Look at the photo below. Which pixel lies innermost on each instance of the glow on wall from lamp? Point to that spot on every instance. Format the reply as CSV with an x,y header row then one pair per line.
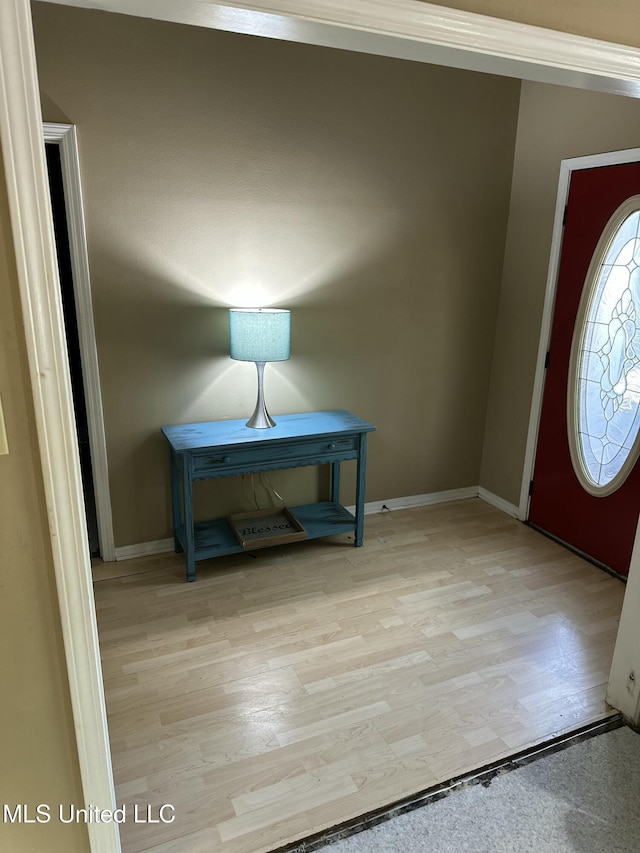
x,y
266,266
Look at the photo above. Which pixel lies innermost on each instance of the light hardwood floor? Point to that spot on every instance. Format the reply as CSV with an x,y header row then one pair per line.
x,y
286,692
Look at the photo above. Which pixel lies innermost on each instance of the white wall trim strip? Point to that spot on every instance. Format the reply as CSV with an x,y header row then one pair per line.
x,y
163,546
498,502
31,221
407,29
623,691
144,549
414,501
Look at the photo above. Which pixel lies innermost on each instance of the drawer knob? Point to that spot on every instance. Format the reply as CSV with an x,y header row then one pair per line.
x,y
218,460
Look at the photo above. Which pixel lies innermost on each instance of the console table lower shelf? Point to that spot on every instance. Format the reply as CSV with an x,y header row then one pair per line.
x,y
216,538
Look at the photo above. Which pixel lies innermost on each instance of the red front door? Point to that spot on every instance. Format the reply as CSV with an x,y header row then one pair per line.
x,y
601,527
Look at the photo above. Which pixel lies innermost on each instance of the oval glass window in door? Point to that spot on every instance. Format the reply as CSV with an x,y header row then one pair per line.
x,y
604,372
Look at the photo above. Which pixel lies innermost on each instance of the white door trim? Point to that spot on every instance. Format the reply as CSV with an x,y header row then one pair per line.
x,y
567,167
41,302
623,691
65,136
597,65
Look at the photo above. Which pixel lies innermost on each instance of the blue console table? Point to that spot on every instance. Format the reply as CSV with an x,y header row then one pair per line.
x,y
228,448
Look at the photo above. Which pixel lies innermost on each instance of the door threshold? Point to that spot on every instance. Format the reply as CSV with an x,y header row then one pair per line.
x,y
482,776
577,551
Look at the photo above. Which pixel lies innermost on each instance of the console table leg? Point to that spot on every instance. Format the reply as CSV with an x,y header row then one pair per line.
x,y
191,569
175,502
190,550
335,482
362,459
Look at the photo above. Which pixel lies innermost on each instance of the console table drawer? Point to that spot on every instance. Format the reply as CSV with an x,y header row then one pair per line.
x,y
224,461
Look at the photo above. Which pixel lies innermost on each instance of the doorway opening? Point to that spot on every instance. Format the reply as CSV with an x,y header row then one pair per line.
x,y
63,165
61,231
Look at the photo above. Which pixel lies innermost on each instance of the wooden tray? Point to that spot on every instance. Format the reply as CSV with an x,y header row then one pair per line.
x,y
264,527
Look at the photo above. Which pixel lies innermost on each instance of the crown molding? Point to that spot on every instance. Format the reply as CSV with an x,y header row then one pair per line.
x,y
413,30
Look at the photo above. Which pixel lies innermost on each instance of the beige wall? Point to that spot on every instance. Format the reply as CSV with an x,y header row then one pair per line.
x,y
555,123
368,195
615,20
37,742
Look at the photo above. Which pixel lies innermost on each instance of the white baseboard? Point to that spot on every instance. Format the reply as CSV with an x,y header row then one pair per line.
x,y
163,546
498,502
413,501
144,549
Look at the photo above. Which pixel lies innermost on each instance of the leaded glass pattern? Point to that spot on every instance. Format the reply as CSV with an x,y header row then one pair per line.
x,y
608,369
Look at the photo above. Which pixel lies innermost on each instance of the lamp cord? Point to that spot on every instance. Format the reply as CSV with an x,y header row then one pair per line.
x,y
268,487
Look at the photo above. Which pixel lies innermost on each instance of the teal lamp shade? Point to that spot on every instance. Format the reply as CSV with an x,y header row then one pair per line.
x,y
260,335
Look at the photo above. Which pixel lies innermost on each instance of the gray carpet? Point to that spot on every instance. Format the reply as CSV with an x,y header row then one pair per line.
x,y
583,799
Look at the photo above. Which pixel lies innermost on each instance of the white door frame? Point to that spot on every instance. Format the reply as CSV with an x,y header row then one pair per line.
x,y
567,167
623,691
65,136
34,246
404,28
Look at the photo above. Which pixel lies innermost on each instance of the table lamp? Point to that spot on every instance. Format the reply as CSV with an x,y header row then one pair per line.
x,y
260,335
